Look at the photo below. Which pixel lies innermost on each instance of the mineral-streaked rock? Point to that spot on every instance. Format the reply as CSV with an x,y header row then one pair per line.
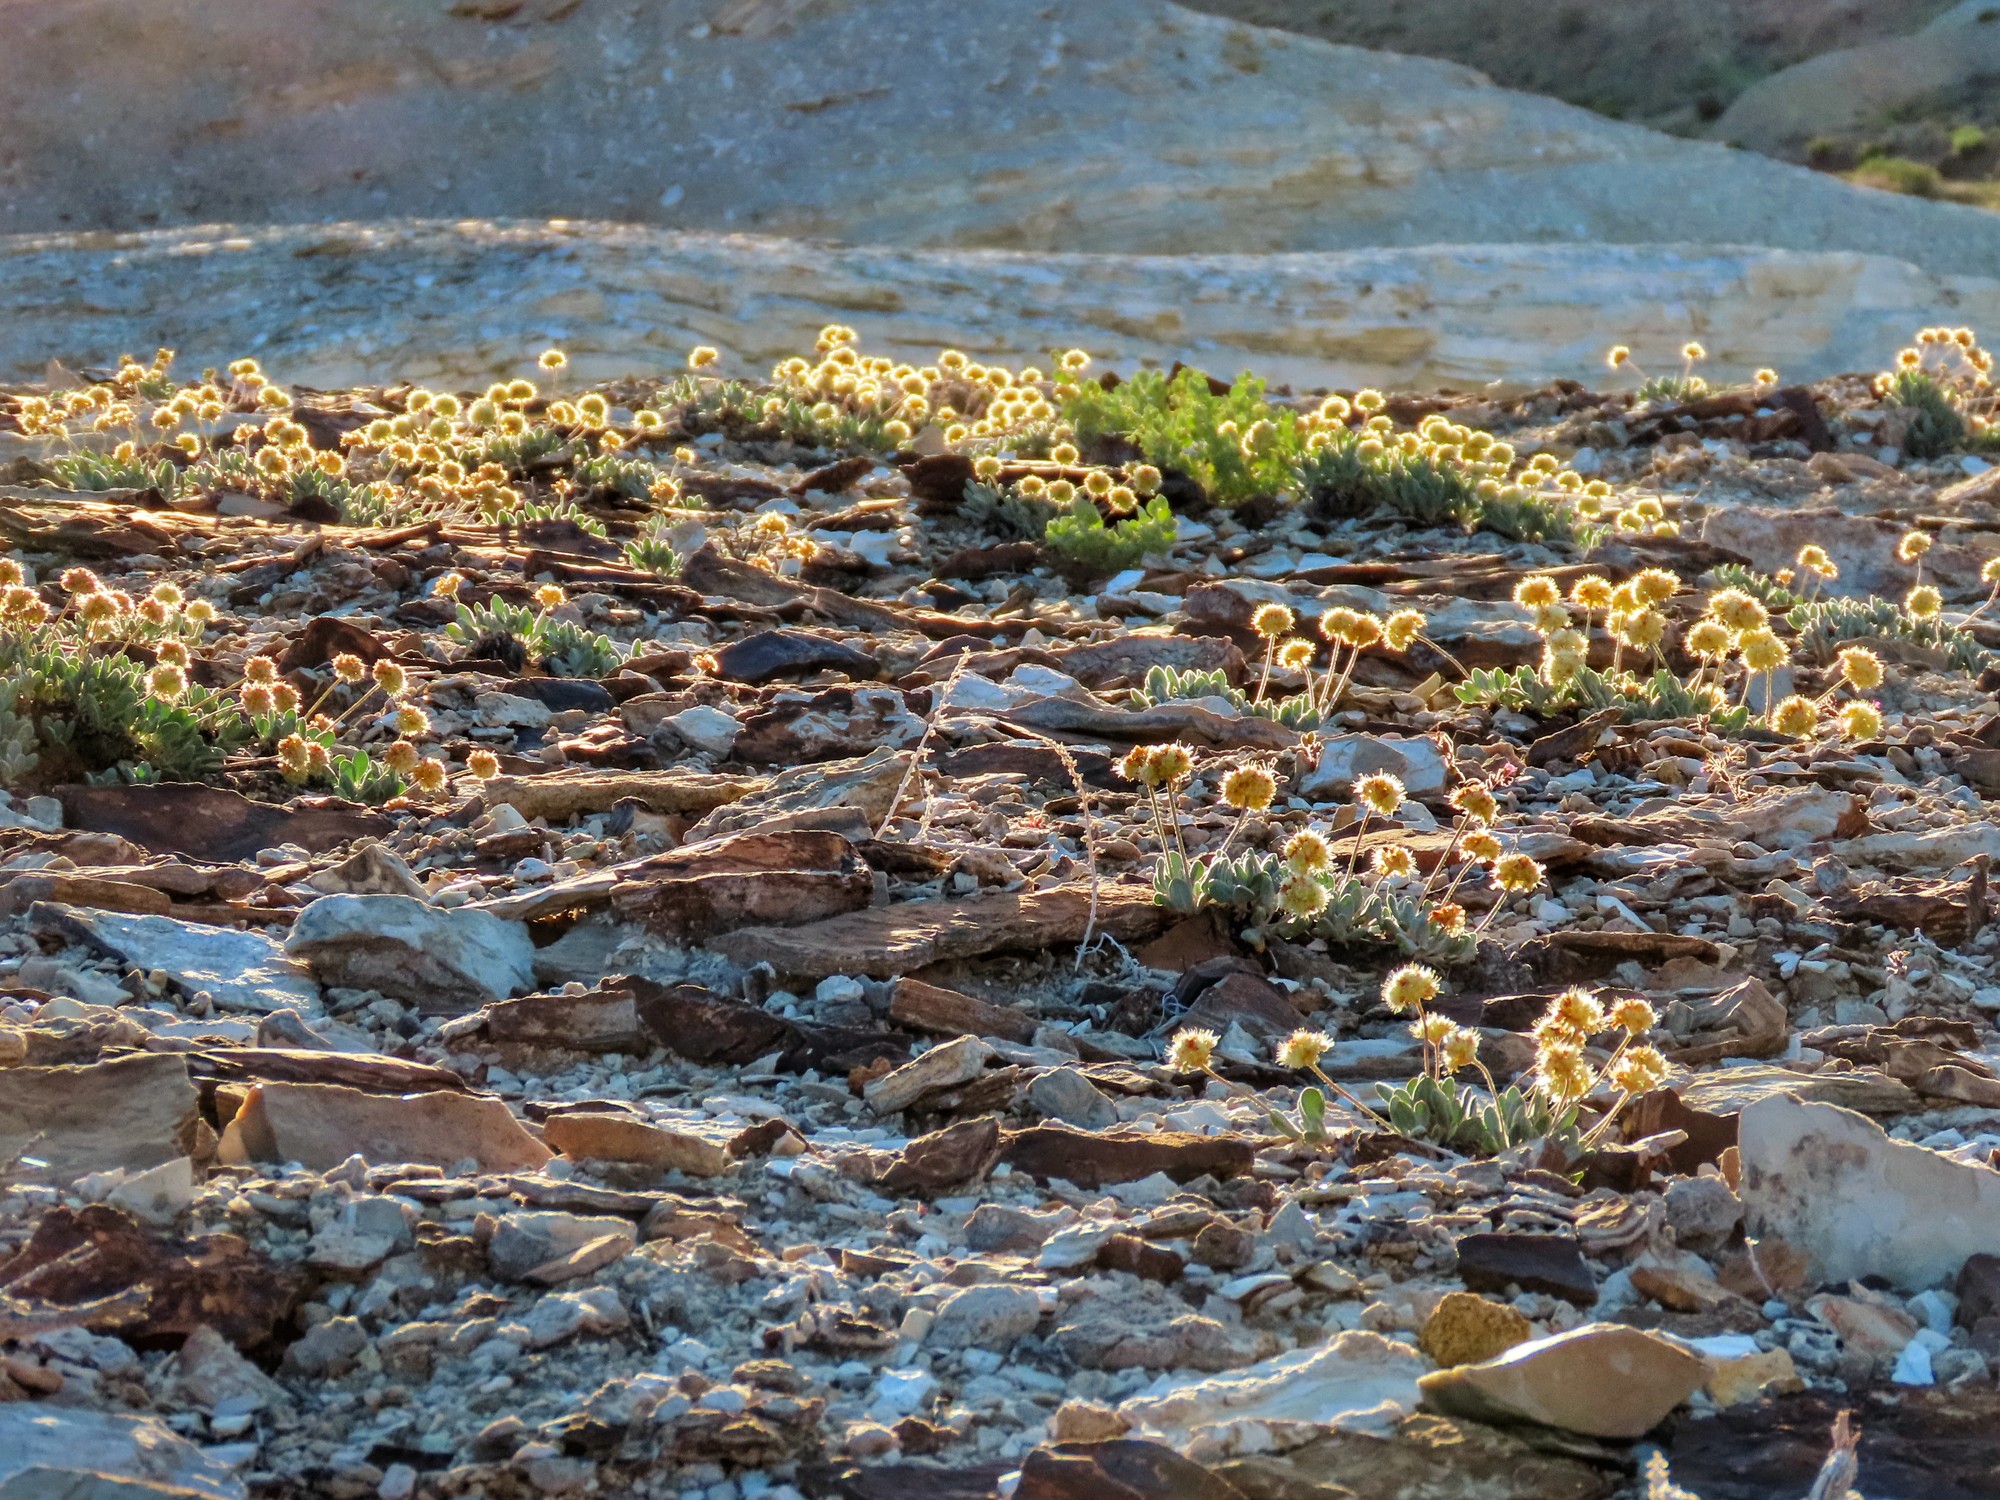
x,y
1835,1185
326,305
1423,1457
1466,1328
1602,1380
443,961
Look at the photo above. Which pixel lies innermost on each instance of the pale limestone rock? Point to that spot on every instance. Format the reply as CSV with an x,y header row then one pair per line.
x,y
330,306
1835,1185
1280,1402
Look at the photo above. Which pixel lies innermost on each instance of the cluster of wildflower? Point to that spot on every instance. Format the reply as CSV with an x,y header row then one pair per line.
x,y
1434,1106
1350,631
306,741
1304,889
1685,385
1943,380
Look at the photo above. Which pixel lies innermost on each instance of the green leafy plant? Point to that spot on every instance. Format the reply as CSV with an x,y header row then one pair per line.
x,y
67,709
1164,684
85,470
1237,446
1823,625
651,552
560,647
1080,537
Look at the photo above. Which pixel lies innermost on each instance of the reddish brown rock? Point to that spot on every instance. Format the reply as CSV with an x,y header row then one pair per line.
x,y
100,1255
1095,1160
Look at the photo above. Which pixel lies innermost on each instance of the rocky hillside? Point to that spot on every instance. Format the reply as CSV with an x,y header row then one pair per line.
x,y
1672,64
1129,126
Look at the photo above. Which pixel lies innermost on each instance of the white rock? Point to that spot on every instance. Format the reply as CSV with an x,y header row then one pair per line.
x,y
710,730
1834,1184
78,1444
1278,1403
986,1317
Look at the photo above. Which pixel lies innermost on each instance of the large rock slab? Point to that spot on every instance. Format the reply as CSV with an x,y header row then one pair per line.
x,y
1177,133
132,1113
443,961
321,1125
1835,1185
72,1451
324,306
241,971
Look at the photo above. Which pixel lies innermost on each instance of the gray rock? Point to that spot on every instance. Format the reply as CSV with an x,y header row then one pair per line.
x,y
1144,1326
1703,1212
523,1241
364,1233
566,1315
986,1317
1065,1094
328,1349
994,1226
207,1371
371,870
1346,758
241,971
443,961
54,1451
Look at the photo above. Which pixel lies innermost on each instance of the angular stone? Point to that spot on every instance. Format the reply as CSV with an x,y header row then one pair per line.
x,y
50,1451
1092,1160
1345,758
718,885
1422,1457
213,823
125,1113
1728,1092
986,1317
1836,1186
945,1066
1467,1329
866,785
1602,1380
208,1371
1551,1263
602,1021
601,1136
443,961
1066,1095
1142,1326
771,654
937,1011
1280,1402
522,1242
321,1125
1247,1000
944,1159
241,971
890,941
565,795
